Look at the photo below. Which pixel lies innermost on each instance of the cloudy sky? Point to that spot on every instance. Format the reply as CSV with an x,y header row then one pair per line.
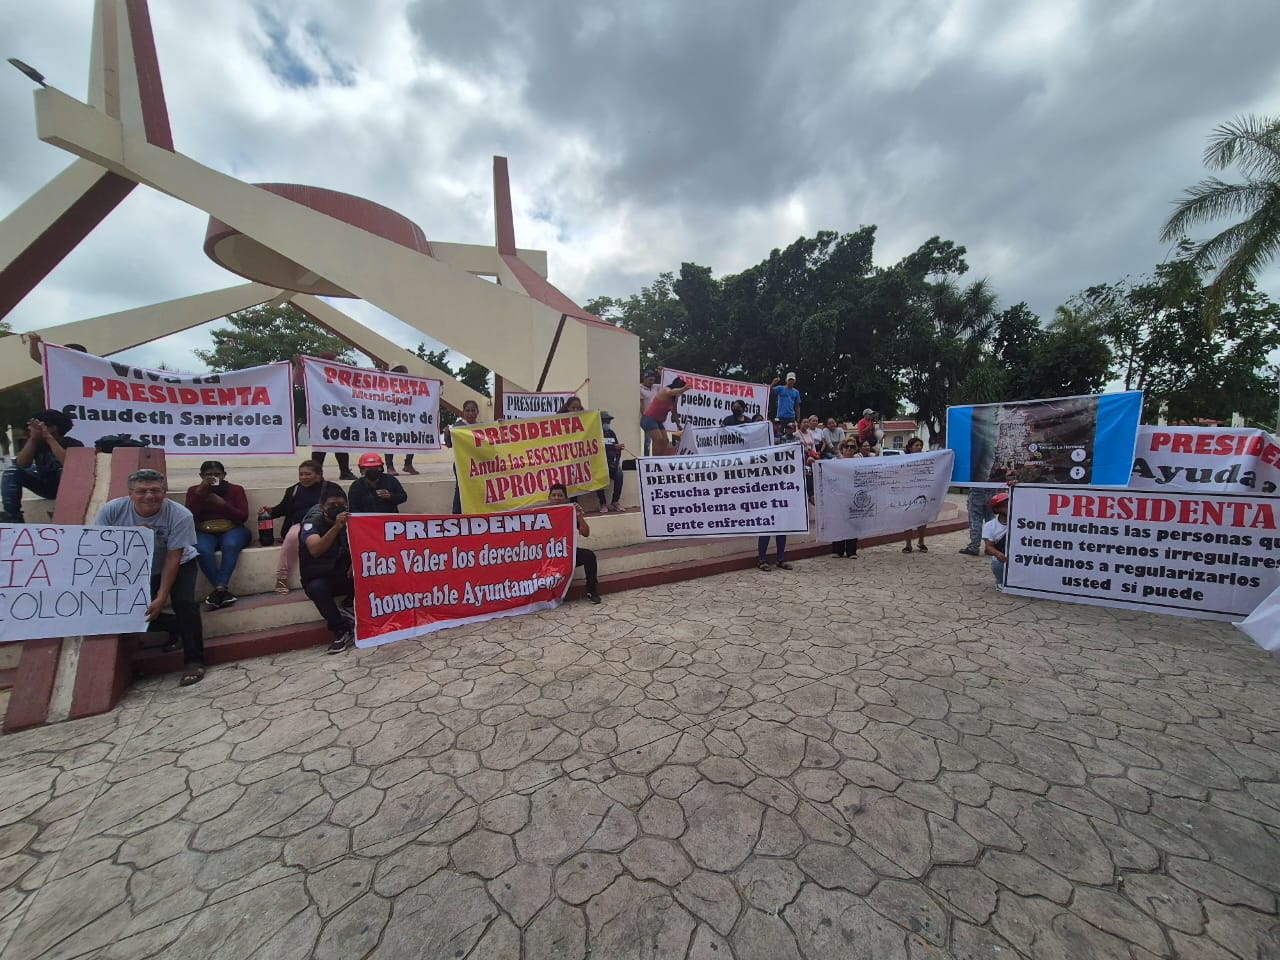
x,y
1049,139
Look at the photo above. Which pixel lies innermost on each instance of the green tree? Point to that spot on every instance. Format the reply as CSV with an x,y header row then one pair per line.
x,y
1242,249
266,334
1161,346
948,334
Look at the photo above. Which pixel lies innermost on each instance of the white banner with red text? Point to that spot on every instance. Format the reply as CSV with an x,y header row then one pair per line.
x,y
708,400
65,581
519,405
376,410
1214,556
1207,460
213,414
699,441
418,574
869,496
727,495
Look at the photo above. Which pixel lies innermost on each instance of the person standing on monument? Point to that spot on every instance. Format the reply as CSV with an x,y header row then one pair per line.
x,y
665,406
995,532
375,492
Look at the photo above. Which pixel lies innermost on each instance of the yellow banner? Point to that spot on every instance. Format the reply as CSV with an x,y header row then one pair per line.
x,y
513,463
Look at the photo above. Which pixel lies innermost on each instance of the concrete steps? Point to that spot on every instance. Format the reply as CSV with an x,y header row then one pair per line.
x,y
264,623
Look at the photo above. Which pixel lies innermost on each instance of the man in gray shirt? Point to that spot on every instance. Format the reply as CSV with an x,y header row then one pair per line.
x,y
173,564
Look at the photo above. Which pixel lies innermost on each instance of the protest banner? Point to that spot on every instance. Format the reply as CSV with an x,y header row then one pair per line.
x,y
1206,460
349,407
727,495
1213,556
1083,440
518,405
514,463
697,441
1263,625
214,414
416,575
707,401
868,496
60,581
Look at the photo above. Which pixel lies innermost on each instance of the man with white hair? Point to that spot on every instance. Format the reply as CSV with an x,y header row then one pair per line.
x,y
788,398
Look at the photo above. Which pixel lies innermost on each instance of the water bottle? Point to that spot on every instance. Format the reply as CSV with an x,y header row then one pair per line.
x,y
266,527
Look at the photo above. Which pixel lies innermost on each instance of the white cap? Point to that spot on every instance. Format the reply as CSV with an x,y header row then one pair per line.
x,y
791,375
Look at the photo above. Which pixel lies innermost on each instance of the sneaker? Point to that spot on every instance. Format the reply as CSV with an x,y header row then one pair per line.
x,y
391,472
214,600
968,551
340,643
228,598
593,596
346,475
615,508
6,517
411,470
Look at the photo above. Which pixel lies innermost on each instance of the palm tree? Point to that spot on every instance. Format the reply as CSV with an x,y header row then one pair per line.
x,y
1241,250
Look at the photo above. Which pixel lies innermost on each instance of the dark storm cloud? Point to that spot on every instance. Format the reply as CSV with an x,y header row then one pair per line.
x,y
1065,136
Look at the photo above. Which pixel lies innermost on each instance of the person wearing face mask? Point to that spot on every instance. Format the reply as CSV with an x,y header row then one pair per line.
x,y
324,557
220,510
737,414
375,492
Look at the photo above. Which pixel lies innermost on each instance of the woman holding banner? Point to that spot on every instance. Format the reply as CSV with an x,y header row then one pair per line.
x,y
915,445
220,510
665,405
848,449
310,490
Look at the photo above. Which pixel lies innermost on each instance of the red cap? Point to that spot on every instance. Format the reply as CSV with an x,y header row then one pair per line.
x,y
370,459
999,498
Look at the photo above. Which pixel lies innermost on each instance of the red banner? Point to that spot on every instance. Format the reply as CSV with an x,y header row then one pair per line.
x,y
416,575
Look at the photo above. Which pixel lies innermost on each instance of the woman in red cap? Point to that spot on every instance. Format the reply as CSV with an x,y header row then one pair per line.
x,y
994,532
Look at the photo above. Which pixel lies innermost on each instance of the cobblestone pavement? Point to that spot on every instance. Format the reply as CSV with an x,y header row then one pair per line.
x,y
876,758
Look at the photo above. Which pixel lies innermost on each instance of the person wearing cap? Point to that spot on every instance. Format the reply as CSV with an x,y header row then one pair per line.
x,y
173,565
866,427
788,398
374,491
994,533
38,465
613,456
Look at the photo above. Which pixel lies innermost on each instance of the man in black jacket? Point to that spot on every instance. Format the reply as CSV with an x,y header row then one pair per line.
x,y
325,564
375,492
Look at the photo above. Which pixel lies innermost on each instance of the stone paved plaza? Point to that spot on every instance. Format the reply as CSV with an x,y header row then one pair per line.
x,y
876,758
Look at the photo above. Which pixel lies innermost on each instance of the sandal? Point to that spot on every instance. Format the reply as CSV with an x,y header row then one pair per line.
x,y
282,585
922,548
907,548
192,673
762,565
782,565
